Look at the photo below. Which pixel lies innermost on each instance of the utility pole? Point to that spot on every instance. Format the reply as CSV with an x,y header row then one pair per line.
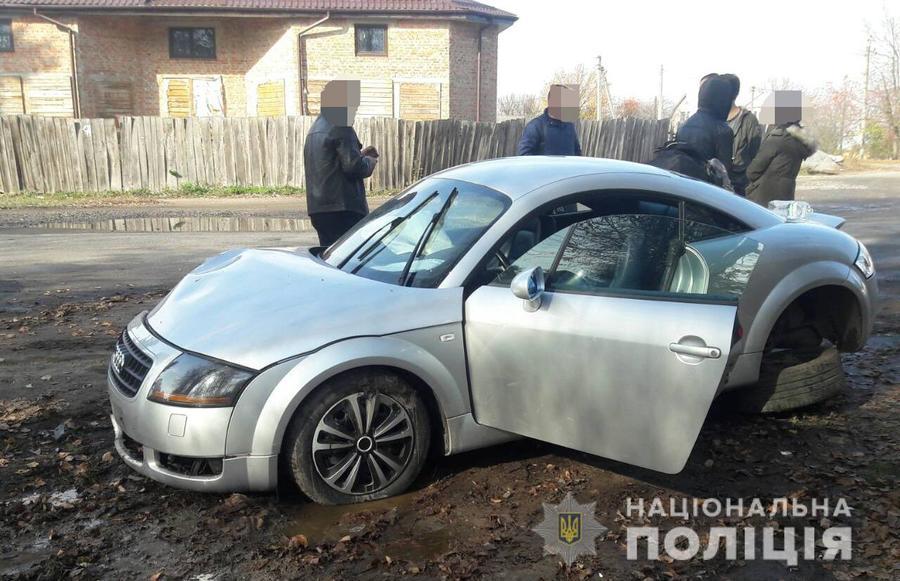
x,y
865,120
599,82
659,101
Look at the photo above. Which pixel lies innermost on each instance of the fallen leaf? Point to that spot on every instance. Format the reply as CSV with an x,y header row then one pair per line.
x,y
298,541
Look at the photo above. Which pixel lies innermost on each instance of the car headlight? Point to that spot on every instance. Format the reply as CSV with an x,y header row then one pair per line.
x,y
864,261
197,382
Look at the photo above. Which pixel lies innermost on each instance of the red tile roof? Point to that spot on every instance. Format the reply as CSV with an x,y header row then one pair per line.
x,y
438,7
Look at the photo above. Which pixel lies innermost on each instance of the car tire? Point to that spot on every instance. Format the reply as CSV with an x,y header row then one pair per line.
x,y
792,379
329,407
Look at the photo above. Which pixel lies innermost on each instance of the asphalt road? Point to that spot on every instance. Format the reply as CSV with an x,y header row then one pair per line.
x,y
40,256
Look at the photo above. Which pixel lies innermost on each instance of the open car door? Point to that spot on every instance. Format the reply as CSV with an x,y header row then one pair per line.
x,y
623,353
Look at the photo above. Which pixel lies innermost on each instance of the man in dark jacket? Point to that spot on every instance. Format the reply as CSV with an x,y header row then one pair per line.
x,y
336,165
747,137
706,131
553,132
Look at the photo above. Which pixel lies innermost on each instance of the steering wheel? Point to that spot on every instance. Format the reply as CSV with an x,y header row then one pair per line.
x,y
502,259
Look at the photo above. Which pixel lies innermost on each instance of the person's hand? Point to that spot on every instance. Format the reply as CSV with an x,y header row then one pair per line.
x,y
374,159
370,151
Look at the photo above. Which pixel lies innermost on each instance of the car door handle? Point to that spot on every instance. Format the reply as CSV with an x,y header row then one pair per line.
x,y
696,350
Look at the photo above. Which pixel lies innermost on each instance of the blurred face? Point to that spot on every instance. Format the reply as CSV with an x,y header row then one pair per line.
x,y
782,107
563,103
340,100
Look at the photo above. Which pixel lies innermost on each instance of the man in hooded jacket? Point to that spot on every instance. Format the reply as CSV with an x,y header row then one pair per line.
x,y
706,131
747,137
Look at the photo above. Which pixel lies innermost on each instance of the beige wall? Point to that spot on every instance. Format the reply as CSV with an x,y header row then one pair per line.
x,y
124,62
37,75
463,67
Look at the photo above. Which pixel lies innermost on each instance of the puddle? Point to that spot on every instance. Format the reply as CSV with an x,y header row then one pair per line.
x,y
409,538
327,524
187,224
418,545
20,562
64,499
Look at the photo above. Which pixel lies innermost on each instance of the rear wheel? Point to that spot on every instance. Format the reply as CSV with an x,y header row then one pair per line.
x,y
791,379
361,436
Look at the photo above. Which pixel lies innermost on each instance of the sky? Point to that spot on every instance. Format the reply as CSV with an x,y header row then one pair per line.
x,y
809,42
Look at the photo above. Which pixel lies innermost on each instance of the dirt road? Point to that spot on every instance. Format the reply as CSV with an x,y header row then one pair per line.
x,y
70,508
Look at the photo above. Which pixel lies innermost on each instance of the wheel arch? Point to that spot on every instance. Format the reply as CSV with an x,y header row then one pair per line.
x,y
813,285
422,370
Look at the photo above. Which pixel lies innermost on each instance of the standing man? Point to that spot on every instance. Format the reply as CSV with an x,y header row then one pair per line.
x,y
747,137
553,132
336,165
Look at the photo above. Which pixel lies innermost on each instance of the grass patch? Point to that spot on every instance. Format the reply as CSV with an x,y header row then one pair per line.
x,y
136,197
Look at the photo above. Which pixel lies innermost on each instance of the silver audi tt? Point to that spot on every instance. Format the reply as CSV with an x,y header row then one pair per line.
x,y
594,304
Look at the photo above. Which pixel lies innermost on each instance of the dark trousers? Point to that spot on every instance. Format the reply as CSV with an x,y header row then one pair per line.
x,y
332,225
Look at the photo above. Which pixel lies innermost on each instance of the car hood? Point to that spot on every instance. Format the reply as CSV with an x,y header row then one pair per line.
x,y
257,307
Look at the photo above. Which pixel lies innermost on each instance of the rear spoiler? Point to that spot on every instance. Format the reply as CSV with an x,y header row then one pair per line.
x,y
827,220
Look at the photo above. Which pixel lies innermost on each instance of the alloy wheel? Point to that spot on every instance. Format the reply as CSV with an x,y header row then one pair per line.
x,y
362,443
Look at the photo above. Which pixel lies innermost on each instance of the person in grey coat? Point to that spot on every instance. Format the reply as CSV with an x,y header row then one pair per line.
x,y
773,172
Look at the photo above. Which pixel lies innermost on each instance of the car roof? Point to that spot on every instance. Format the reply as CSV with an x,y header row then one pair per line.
x,y
516,176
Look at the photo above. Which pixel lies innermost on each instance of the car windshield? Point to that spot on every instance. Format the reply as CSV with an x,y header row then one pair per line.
x,y
415,238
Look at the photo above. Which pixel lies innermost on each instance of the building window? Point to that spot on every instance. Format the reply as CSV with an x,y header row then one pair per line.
x,y
6,39
371,39
192,43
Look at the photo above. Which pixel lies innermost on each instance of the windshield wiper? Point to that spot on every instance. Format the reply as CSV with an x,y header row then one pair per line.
x,y
426,235
364,256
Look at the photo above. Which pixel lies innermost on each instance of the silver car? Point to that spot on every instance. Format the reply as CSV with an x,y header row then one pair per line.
x,y
594,304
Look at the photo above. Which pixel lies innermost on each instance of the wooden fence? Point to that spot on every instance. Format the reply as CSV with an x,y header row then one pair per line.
x,y
41,154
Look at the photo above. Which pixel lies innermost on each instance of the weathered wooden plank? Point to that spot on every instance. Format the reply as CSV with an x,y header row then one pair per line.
x,y
228,150
257,148
199,151
171,155
87,152
143,145
101,163
218,135
9,167
270,160
159,137
60,147
31,154
111,133
73,155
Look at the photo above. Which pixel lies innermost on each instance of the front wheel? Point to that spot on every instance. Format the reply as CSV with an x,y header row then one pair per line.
x,y
361,436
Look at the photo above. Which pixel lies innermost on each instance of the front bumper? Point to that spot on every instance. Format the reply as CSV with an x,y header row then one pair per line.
x,y
240,473
157,439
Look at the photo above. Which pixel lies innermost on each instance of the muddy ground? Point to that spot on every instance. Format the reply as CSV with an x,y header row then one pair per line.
x,y
70,508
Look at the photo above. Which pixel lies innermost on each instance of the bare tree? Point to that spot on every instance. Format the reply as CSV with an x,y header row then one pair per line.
x,y
834,115
518,106
886,80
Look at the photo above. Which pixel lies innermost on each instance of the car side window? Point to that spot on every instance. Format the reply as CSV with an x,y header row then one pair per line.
x,y
643,253
619,252
703,223
542,254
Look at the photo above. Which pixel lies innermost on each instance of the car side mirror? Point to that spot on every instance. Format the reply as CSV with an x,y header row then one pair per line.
x,y
529,286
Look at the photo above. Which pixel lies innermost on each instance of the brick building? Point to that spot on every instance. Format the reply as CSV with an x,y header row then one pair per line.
x,y
416,59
